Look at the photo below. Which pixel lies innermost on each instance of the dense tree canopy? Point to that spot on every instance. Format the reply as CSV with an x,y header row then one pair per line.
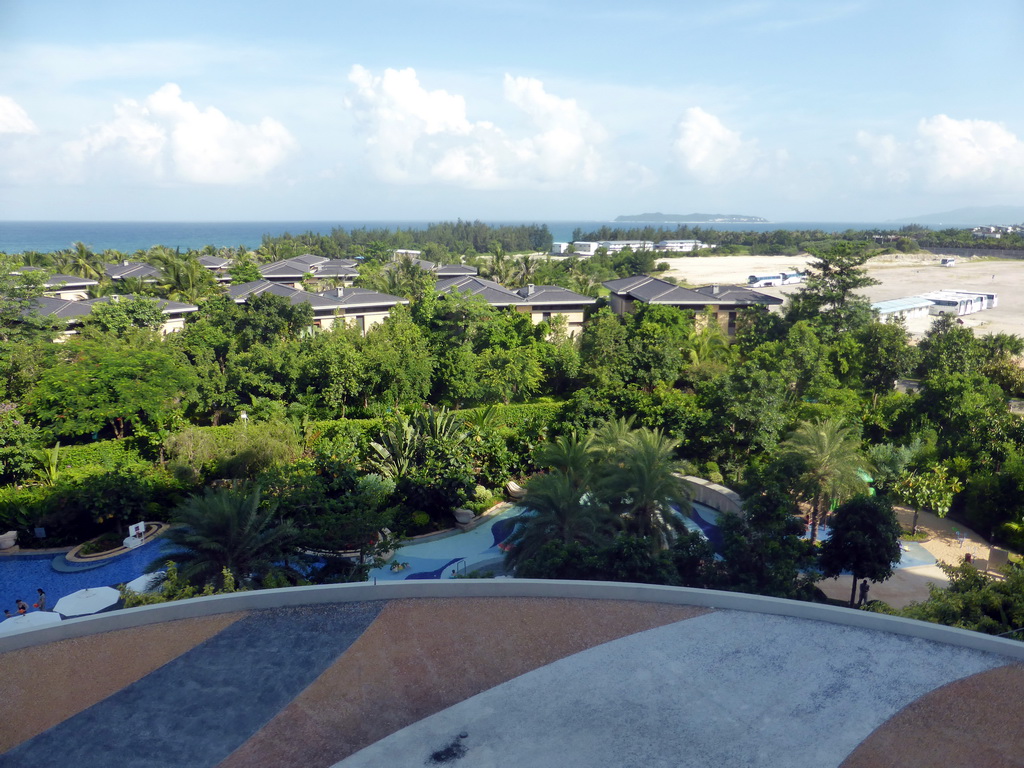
x,y
345,430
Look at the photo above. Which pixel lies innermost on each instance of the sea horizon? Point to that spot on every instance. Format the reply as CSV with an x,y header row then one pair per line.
x,y
132,236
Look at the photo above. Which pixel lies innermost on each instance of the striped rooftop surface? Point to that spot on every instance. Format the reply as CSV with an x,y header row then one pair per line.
x,y
506,673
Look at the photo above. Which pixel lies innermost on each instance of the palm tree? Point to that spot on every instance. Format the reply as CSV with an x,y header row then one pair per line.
x,y
526,269
832,464
709,343
572,455
185,279
562,511
614,434
85,263
645,485
227,529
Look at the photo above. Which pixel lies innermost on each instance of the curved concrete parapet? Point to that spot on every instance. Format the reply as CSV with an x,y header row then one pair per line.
x,y
532,588
714,495
548,673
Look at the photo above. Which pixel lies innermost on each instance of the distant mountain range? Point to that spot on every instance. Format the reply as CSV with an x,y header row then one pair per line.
x,y
1001,215
687,218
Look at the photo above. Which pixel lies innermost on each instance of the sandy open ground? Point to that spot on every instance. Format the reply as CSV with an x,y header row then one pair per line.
x,y
899,276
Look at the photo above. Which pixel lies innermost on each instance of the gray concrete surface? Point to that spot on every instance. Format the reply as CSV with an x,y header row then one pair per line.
x,y
724,689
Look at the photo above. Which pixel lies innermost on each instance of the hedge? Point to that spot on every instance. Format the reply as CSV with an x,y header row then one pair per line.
x,y
107,454
518,414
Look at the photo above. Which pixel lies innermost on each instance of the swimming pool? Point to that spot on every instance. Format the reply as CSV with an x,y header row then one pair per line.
x,y
460,552
705,520
22,575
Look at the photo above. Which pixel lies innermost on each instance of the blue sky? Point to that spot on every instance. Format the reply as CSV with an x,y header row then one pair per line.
x,y
794,110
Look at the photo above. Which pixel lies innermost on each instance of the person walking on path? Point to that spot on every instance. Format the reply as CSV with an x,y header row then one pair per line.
x,y
863,593
41,602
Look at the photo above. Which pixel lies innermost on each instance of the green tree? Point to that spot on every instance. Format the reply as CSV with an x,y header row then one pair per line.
x,y
574,455
230,530
266,318
115,383
244,271
974,600
949,347
931,490
398,362
561,511
763,550
886,356
831,462
644,485
509,374
604,349
829,296
122,314
865,540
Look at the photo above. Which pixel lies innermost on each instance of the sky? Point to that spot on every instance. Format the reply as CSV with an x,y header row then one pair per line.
x,y
505,110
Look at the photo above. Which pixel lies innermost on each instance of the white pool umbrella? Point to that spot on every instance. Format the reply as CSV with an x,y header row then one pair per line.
x,y
86,601
28,621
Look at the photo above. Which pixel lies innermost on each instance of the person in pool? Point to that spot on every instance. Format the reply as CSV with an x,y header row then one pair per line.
x,y
22,606
41,600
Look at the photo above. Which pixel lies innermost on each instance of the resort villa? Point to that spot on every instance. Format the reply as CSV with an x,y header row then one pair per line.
x,y
724,301
354,306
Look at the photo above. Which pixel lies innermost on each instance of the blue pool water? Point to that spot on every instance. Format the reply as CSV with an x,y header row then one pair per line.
x,y
705,520
21,575
461,552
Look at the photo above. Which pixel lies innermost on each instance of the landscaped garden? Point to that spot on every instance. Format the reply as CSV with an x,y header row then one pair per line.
x,y
351,443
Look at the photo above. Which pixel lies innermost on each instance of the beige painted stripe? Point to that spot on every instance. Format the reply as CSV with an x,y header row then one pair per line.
x,y
44,685
422,656
972,722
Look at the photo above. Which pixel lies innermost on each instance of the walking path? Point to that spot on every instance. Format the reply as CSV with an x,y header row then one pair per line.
x,y
910,585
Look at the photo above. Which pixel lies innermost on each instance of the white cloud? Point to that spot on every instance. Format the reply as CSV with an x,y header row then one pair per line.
x,y
169,138
416,136
14,119
945,153
711,152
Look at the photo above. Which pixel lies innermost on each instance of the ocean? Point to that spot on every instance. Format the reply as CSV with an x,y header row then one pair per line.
x,y
131,236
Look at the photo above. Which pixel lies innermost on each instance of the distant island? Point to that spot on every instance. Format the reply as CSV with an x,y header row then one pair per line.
x,y
689,218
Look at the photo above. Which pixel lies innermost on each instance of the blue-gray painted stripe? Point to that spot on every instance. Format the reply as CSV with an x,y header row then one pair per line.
x,y
198,708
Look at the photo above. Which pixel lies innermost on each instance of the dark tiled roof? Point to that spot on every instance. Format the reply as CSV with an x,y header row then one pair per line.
x,y
308,259
64,309
454,270
552,294
214,262
352,298
166,306
241,291
624,284
300,266
336,268
68,282
738,294
322,303
130,269
493,293
651,290
285,270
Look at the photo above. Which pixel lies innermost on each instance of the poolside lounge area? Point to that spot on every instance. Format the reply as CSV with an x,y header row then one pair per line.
x,y
514,672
